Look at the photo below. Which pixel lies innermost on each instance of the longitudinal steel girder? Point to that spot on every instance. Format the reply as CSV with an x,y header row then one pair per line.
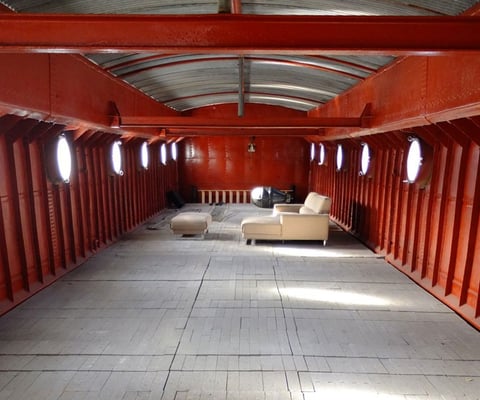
x,y
238,34
239,122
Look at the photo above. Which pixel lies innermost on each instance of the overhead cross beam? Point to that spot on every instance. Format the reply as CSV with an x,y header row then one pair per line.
x,y
238,123
246,122
238,34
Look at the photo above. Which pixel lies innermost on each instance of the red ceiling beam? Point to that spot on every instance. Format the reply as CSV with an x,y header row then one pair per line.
x,y
193,132
239,34
207,123
238,123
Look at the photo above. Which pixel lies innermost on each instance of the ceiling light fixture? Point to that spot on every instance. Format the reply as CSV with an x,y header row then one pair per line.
x,y
251,146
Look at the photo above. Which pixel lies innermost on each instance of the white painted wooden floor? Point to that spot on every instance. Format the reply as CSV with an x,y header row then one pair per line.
x,y
158,317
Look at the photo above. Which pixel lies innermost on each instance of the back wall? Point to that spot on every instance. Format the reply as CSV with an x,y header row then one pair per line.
x,y
221,162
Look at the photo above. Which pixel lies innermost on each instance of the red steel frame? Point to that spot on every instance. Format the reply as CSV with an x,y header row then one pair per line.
x,y
239,34
47,229
431,234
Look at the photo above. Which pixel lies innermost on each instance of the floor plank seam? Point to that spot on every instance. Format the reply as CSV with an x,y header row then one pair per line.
x,y
185,327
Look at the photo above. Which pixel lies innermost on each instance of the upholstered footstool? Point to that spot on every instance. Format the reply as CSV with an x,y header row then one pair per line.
x,y
190,223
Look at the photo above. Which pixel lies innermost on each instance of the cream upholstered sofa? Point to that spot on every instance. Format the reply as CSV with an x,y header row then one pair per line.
x,y
306,221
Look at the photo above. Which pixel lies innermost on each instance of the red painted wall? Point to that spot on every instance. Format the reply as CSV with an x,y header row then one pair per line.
x,y
69,89
47,229
412,91
432,234
222,162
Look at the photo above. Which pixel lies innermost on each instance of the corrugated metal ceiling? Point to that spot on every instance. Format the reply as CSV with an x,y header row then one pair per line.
x,y
279,7
186,81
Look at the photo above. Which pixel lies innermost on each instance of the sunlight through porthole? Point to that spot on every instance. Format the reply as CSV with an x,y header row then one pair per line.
x,y
321,157
414,160
144,155
163,154
365,161
173,149
64,158
419,164
339,157
116,158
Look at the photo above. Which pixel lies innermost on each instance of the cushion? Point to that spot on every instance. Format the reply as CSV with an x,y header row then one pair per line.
x,y
318,203
306,210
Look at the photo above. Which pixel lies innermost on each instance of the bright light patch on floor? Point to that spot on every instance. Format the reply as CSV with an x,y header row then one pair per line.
x,y
336,296
303,252
338,393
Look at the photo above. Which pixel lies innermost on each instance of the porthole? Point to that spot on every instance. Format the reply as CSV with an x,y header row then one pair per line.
x,y
365,160
163,154
339,157
312,152
64,158
144,155
173,150
414,160
419,162
58,160
321,154
116,158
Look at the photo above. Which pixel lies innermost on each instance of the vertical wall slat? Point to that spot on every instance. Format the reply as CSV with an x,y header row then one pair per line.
x,y
445,248
102,213
469,225
92,200
32,211
463,147
5,264
19,246
79,218
438,215
113,188
58,220
390,203
70,228
381,168
85,197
